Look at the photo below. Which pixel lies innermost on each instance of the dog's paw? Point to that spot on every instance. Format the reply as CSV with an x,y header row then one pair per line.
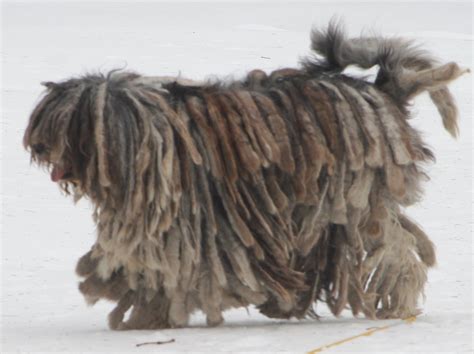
x,y
94,288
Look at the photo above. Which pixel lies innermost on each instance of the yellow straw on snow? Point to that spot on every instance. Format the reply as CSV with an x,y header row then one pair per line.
x,y
364,334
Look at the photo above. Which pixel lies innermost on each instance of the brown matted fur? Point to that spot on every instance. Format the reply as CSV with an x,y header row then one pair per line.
x,y
279,190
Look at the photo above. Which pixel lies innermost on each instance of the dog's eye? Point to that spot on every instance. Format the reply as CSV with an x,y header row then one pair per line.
x,y
39,148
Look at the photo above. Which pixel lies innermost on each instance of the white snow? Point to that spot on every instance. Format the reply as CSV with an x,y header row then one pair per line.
x,y
43,233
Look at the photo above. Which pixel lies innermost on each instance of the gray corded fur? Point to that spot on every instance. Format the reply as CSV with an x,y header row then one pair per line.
x,y
279,190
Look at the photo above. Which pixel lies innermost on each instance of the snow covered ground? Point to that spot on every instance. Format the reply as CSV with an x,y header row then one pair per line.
x,y
43,233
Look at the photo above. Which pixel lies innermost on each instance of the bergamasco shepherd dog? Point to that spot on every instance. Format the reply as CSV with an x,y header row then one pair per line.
x,y
278,190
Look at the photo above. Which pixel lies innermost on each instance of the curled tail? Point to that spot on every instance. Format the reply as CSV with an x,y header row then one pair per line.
x,y
405,70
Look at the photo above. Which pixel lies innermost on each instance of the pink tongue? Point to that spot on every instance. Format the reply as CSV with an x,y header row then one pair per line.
x,y
57,174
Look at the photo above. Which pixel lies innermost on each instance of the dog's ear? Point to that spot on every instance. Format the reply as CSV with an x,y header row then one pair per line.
x,y
49,84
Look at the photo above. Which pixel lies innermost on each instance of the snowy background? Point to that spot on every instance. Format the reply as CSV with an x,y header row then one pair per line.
x,y
43,233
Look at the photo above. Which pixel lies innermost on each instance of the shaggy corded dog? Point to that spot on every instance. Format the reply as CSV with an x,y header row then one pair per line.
x,y
279,190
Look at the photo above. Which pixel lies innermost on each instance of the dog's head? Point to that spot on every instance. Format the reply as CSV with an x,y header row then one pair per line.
x,y
86,132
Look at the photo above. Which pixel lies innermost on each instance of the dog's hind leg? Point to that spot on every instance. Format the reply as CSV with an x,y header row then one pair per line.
x,y
424,246
405,271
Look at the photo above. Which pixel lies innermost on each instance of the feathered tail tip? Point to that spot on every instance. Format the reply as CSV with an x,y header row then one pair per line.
x,y
405,70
